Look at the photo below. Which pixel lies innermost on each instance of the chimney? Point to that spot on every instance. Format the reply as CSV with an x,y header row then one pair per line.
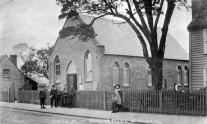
x,y
13,58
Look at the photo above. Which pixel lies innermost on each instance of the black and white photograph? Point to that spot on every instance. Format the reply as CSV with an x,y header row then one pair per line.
x,y
103,61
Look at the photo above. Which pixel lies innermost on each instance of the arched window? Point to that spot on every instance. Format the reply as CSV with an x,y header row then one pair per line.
x,y
149,77
186,76
126,70
88,66
179,75
116,73
57,68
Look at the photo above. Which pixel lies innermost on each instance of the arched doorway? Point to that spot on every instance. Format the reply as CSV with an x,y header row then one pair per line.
x,y
71,77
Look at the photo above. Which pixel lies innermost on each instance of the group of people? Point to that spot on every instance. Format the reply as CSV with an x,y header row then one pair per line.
x,y
57,97
65,98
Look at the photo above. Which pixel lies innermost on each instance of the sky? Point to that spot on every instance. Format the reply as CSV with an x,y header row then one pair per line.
x,y
36,23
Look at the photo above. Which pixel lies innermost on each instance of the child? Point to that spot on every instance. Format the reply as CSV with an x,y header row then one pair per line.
x,y
114,103
42,96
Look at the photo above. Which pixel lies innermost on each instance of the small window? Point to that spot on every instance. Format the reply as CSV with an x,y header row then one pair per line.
x,y
6,73
186,76
88,66
126,75
179,75
116,73
149,76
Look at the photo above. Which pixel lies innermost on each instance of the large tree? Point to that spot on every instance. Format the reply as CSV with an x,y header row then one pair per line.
x,y
141,15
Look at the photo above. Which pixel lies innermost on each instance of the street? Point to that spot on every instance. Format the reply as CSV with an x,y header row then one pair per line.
x,y
16,116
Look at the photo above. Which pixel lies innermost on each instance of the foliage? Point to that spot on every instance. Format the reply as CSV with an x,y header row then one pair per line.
x,y
141,15
24,51
36,62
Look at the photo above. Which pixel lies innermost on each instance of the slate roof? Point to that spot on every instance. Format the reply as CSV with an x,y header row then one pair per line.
x,y
199,18
2,57
120,39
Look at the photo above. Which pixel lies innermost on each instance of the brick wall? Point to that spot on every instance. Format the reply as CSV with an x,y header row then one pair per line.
x,y
138,71
74,51
15,75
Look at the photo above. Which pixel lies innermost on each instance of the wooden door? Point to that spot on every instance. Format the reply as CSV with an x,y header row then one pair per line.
x,y
72,79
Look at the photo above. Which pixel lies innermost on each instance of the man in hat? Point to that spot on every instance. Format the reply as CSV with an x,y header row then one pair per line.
x,y
71,96
53,95
64,98
59,95
42,97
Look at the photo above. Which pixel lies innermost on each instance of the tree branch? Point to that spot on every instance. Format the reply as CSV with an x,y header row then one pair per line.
x,y
138,9
109,6
170,9
139,35
95,18
158,15
148,9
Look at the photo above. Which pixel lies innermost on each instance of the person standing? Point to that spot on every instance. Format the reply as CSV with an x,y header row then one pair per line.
x,y
58,98
71,96
118,94
42,97
65,95
53,95
114,103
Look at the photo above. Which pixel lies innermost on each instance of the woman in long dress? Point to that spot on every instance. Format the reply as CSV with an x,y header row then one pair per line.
x,y
118,94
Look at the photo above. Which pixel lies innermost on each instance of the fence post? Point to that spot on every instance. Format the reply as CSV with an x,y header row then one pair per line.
x,y
105,100
160,100
17,96
0,96
205,100
32,95
8,94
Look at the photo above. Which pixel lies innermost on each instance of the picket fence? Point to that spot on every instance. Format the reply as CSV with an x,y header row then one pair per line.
x,y
147,101
168,102
7,96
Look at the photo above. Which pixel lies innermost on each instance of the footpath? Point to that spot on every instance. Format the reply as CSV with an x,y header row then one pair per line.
x,y
107,115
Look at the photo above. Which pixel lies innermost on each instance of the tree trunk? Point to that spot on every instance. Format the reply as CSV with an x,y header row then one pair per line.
x,y
156,67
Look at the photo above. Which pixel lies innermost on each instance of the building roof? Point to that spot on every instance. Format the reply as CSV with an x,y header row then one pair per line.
x,y
120,39
199,18
3,56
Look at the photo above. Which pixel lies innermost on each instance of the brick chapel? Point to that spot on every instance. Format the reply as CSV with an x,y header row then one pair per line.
x,y
114,56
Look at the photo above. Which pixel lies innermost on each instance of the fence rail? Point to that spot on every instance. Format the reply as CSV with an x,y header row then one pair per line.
x,y
167,102
90,99
4,96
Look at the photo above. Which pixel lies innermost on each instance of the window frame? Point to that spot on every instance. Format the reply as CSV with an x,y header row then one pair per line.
x,y
116,74
179,72
86,60
149,77
57,64
6,75
126,74
204,77
186,76
205,41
